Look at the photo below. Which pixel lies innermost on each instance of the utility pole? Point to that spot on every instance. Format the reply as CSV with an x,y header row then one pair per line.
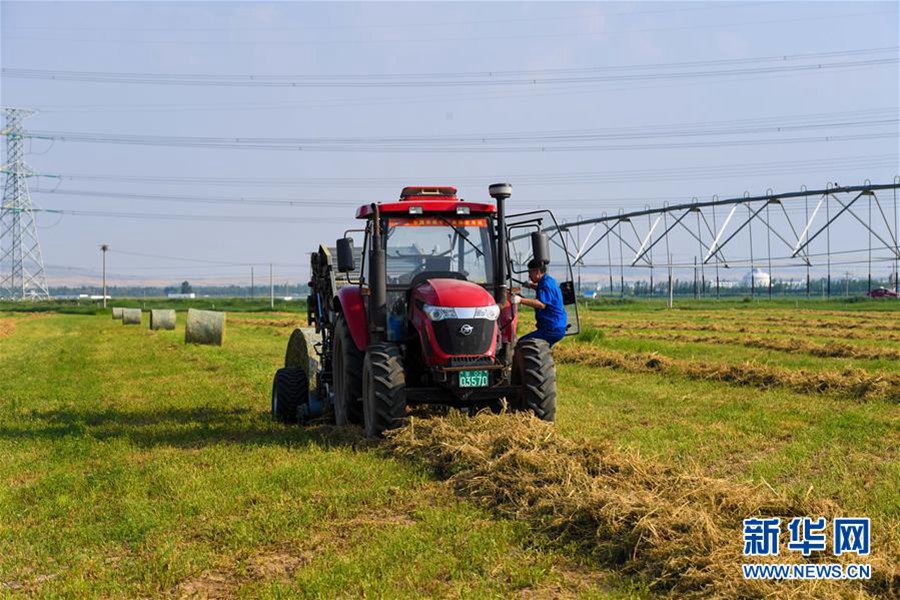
x,y
104,248
271,289
671,289
19,246
252,284
696,289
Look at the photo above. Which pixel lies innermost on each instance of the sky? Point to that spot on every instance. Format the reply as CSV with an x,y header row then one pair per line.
x,y
518,82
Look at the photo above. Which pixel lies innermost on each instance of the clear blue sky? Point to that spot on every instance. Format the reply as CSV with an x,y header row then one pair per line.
x,y
303,39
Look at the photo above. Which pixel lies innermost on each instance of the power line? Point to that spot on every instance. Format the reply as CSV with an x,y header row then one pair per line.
x,y
700,69
287,146
433,39
707,171
395,25
190,217
783,124
445,75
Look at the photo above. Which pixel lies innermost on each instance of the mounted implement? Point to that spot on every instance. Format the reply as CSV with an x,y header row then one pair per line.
x,y
422,314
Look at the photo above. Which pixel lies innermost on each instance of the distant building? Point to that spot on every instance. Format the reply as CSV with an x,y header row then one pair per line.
x,y
180,296
756,278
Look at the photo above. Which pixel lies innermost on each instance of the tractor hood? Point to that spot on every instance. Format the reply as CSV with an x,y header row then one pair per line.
x,y
453,292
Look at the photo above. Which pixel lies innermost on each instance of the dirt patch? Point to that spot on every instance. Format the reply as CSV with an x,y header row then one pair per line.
x,y
679,532
9,324
212,585
854,383
280,562
276,565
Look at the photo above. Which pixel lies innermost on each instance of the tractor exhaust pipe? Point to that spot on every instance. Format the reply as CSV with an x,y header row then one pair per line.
x,y
501,192
377,281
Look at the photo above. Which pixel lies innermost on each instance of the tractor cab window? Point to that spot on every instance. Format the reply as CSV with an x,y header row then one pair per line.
x,y
426,244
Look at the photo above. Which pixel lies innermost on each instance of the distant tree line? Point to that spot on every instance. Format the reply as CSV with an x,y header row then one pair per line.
x,y
185,287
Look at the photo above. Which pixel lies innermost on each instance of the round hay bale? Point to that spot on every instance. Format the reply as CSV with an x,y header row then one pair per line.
x,y
117,312
162,318
131,316
204,327
297,354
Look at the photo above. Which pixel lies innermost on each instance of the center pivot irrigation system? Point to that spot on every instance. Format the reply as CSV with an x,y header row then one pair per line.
x,y
790,230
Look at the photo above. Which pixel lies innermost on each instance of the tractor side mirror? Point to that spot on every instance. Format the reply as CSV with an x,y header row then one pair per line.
x,y
540,246
345,262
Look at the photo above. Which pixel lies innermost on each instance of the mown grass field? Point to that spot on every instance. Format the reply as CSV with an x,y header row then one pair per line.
x,y
134,465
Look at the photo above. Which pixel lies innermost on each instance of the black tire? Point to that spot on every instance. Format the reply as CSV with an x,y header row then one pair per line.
x,y
290,390
384,389
534,371
347,365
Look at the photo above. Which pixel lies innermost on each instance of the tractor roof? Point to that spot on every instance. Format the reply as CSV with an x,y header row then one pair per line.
x,y
420,199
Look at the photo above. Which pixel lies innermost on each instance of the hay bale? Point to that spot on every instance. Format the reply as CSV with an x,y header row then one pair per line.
x,y
300,352
162,318
117,312
204,327
131,316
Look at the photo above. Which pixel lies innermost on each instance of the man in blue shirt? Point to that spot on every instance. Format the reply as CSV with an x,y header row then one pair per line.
x,y
548,304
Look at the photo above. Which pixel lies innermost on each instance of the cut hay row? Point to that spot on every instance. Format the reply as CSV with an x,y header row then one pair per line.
x,y
790,346
269,322
756,324
885,322
835,332
678,532
853,383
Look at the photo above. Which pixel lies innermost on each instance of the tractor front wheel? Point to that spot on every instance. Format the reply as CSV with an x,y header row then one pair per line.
x,y
383,389
535,374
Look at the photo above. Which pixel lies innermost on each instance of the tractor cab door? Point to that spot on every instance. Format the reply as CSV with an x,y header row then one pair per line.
x,y
519,228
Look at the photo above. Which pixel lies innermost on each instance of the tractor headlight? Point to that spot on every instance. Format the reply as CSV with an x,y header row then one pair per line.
x,y
439,313
487,312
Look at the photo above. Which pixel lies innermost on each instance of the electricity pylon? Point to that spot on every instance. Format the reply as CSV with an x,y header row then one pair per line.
x,y
21,264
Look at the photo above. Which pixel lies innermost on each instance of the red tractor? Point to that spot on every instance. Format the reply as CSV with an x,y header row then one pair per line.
x,y
422,314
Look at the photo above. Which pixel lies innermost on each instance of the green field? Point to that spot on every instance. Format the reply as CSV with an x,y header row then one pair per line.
x,y
136,466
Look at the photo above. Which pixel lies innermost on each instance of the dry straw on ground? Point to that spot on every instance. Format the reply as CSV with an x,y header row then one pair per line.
x,y
854,383
790,346
681,533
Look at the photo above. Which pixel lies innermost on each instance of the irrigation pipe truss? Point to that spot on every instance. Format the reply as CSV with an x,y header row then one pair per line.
x,y
719,233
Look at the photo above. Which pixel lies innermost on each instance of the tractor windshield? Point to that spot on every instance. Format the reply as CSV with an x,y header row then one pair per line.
x,y
436,244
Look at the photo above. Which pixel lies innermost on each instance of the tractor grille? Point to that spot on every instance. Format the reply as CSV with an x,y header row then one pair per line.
x,y
452,341
471,361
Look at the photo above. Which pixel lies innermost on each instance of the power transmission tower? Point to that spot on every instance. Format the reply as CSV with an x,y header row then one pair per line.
x,y
21,265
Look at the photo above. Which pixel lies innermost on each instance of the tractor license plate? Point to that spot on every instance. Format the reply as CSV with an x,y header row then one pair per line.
x,y
468,379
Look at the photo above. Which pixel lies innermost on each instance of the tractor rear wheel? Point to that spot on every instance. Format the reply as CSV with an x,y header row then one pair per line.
x,y
534,372
347,363
290,390
384,389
